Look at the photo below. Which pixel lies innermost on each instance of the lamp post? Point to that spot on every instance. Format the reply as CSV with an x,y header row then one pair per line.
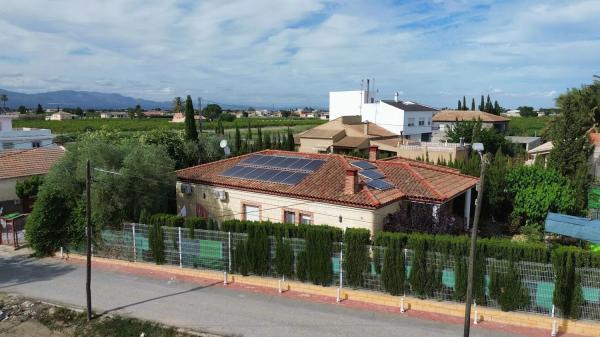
x,y
467,326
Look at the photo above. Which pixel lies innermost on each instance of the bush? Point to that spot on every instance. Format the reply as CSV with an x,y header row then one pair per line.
x,y
319,247
193,223
393,274
156,243
284,258
241,263
356,255
258,250
461,271
507,289
302,266
29,187
419,276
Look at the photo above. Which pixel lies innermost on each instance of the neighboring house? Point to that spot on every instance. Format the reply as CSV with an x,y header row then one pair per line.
x,y
16,165
114,114
539,154
179,117
61,116
22,138
446,119
324,115
153,113
527,143
411,120
332,189
512,113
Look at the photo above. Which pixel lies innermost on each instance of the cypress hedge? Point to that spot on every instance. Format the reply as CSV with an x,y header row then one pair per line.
x,y
241,263
258,250
319,248
156,243
356,255
507,289
284,258
393,274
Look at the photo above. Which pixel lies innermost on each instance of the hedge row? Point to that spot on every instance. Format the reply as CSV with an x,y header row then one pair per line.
x,y
277,229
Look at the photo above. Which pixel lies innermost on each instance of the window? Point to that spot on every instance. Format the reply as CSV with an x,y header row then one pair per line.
x,y
251,213
411,122
428,121
305,219
289,217
35,144
421,121
8,145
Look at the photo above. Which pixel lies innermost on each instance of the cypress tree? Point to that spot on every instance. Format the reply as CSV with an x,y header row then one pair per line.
x,y
459,107
418,270
190,123
156,243
356,257
267,140
488,105
460,281
497,109
464,103
249,131
259,140
393,273
473,104
290,140
507,289
238,140
284,257
482,104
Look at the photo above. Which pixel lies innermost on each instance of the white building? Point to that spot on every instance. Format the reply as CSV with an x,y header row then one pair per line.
x,y
114,114
409,119
22,138
61,116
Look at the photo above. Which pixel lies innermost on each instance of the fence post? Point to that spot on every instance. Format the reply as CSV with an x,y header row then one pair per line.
x,y
134,239
402,309
339,290
475,311
180,249
554,325
229,251
61,252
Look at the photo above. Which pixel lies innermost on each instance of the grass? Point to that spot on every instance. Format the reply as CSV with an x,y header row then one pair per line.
x,y
528,126
82,125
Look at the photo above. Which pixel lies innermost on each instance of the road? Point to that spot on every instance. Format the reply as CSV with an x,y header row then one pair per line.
x,y
207,308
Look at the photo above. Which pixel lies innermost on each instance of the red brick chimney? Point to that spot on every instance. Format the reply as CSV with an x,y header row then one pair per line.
x,y
351,184
373,150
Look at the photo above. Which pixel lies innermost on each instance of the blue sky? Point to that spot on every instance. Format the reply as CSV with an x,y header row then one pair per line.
x,y
293,52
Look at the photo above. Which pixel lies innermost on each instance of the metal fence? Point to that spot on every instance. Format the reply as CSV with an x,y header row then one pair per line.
x,y
213,250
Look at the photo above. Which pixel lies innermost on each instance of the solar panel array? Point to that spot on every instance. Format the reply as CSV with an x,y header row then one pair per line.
x,y
374,178
276,169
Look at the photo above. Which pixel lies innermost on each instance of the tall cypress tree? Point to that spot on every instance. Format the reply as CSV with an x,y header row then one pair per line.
x,y
459,107
473,104
488,104
238,140
464,103
190,123
259,140
497,109
290,140
482,104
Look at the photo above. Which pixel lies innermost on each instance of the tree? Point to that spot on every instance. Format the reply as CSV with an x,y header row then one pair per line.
x,y
464,103
290,140
190,123
497,108
177,105
212,111
507,289
482,104
488,105
22,109
259,140
29,187
393,274
459,106
4,99
238,140
473,104
79,111
39,109
526,111
139,113
568,133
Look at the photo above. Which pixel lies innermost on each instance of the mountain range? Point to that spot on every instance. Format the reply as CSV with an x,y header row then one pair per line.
x,y
83,99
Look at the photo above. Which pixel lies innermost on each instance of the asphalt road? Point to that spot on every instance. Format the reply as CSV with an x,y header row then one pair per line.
x,y
213,309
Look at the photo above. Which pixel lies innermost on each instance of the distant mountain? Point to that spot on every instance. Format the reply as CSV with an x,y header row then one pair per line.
x,y
83,99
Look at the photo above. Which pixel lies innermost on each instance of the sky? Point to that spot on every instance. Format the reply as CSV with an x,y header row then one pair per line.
x,y
293,52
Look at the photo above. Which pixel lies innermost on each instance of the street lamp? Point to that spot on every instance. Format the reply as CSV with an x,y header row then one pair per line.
x,y
467,327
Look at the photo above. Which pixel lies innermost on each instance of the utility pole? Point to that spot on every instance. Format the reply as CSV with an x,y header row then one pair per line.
x,y
88,216
467,325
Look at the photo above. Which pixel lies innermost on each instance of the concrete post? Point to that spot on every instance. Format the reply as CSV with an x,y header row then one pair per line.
x,y
229,251
554,331
339,290
134,247
180,249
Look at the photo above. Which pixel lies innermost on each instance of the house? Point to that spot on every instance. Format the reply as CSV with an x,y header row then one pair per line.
x,y
153,113
410,119
324,115
61,116
446,119
22,138
16,165
114,114
312,188
539,154
348,133
513,113
179,117
527,143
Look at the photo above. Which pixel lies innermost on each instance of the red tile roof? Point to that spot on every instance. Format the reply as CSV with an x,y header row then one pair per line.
x,y
31,162
412,180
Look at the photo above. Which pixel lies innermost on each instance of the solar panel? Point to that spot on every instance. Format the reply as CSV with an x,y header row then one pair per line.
x,y
261,161
365,165
244,172
256,173
295,178
371,174
252,159
232,171
290,162
380,184
313,165
281,176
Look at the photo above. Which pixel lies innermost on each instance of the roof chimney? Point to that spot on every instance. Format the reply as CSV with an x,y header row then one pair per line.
x,y
396,96
373,150
351,183
366,128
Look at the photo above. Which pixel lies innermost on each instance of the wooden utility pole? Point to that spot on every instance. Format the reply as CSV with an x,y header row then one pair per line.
x,y
473,250
88,230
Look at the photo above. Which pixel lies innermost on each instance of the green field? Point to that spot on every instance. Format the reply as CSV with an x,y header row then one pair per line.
x,y
81,125
528,126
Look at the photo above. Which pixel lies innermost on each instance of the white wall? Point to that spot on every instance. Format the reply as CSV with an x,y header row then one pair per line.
x,y
5,123
345,103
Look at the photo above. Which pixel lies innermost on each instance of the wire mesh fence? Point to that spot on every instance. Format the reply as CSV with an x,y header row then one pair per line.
x,y
215,250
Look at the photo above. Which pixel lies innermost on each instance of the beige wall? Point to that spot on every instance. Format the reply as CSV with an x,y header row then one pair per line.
x,y
313,145
434,155
7,189
272,207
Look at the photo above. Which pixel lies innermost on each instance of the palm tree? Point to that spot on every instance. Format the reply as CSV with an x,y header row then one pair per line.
x,y
4,99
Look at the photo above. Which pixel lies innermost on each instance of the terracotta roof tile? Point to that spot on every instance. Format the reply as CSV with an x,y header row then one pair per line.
x,y
412,180
467,115
24,163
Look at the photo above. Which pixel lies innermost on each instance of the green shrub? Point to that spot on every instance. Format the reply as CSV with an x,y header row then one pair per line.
x,y
507,289
393,273
284,257
241,263
144,217
319,247
460,278
193,223
356,255
258,250
419,276
302,266
156,243
577,297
